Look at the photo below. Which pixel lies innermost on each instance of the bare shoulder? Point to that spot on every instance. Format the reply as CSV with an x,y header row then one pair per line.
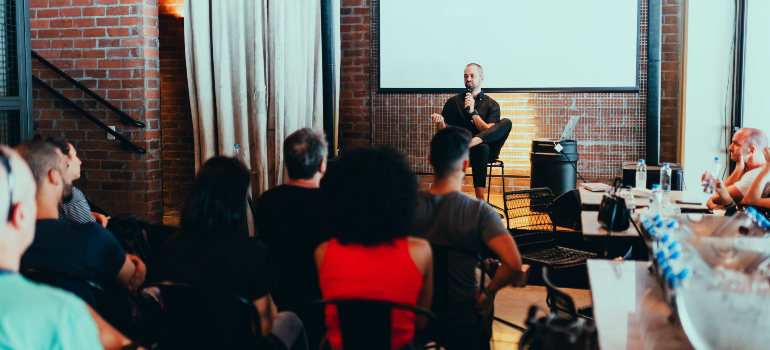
x,y
418,244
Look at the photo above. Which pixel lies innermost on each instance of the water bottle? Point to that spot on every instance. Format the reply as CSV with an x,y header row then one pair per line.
x,y
665,178
740,224
236,152
641,175
710,183
656,200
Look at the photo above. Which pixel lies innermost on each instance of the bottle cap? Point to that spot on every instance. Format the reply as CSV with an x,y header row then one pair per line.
x,y
236,145
716,158
683,274
665,238
659,224
641,160
653,232
674,255
656,218
751,211
665,164
672,224
666,270
655,187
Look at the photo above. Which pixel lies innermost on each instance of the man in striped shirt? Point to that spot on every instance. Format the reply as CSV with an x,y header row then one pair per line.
x,y
75,207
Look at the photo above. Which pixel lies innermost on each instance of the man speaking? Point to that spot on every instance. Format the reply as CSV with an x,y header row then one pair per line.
x,y
480,114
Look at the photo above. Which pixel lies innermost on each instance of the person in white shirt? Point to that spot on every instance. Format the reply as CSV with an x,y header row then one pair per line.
x,y
746,151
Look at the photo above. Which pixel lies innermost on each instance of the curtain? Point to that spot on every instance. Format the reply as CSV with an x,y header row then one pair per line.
x,y
254,75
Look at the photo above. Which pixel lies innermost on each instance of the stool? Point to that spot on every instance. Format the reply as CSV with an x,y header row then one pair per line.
x,y
497,163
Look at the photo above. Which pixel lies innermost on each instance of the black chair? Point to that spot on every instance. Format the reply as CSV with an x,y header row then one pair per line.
x,y
561,303
194,317
497,163
529,221
366,324
441,256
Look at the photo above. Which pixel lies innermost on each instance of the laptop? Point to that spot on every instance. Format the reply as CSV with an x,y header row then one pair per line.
x,y
570,128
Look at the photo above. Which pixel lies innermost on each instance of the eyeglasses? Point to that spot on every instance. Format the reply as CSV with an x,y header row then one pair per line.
x,y
7,163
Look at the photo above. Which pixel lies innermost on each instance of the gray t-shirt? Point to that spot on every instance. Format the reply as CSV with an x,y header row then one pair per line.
x,y
461,221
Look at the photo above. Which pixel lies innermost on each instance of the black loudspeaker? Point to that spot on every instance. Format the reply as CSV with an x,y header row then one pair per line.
x,y
653,175
565,210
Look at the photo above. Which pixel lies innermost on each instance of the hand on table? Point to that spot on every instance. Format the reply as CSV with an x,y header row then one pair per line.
x,y
720,189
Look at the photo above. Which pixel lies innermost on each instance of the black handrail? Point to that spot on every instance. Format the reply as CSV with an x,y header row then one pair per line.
x,y
124,118
124,143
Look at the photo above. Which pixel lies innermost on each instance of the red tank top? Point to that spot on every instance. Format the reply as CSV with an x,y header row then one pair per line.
x,y
384,272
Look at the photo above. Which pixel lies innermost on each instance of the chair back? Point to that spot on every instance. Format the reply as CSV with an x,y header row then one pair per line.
x,y
366,324
91,292
195,317
560,303
529,220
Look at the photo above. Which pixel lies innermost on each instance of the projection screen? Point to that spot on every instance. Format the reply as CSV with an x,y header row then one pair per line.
x,y
532,45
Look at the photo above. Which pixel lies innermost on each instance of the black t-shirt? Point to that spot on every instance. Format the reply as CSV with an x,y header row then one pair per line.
x,y
85,250
289,221
239,265
454,111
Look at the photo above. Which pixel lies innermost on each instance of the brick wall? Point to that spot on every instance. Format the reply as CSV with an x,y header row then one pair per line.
x,y
612,131
176,120
111,47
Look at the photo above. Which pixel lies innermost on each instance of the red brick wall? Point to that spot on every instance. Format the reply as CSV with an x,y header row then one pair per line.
x,y
613,133
111,47
176,120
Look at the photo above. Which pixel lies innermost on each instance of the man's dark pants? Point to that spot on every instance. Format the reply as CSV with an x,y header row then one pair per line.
x,y
493,140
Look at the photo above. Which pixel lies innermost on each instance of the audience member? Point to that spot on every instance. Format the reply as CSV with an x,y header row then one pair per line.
x,y
34,316
746,152
75,207
448,217
288,221
85,250
369,197
759,192
211,250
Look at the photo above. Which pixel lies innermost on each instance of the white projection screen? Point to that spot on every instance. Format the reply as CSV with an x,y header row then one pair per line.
x,y
532,45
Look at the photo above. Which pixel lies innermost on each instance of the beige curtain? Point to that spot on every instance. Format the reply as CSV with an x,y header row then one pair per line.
x,y
254,74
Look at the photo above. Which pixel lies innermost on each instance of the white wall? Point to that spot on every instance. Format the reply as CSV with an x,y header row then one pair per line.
x,y
425,44
709,41
757,70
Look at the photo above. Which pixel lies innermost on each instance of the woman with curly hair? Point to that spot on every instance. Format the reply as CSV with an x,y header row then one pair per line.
x,y
370,197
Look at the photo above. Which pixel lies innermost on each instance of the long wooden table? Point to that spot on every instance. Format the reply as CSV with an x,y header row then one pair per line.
x,y
591,200
629,310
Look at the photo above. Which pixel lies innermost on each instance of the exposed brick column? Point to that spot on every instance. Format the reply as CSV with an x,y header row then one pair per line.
x,y
355,116
111,47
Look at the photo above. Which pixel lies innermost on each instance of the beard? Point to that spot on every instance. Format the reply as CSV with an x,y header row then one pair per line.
x,y
67,195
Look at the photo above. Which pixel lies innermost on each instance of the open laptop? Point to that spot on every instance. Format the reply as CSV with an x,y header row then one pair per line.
x,y
570,128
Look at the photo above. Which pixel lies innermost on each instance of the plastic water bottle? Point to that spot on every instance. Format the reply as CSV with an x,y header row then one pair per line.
x,y
740,224
710,183
656,200
236,152
641,175
665,178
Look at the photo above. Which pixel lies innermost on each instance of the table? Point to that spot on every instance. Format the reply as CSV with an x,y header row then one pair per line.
x,y
593,229
591,200
629,310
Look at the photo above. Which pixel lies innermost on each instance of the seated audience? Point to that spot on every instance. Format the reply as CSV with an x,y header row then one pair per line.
x,y
369,197
746,152
211,250
288,221
75,207
446,216
34,316
85,250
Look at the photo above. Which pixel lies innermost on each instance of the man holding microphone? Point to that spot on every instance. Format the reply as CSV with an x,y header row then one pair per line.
x,y
478,113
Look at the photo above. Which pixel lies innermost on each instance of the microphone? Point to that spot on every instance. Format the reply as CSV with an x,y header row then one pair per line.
x,y
467,93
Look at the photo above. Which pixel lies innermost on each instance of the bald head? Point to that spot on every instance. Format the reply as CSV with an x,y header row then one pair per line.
x,y
754,137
